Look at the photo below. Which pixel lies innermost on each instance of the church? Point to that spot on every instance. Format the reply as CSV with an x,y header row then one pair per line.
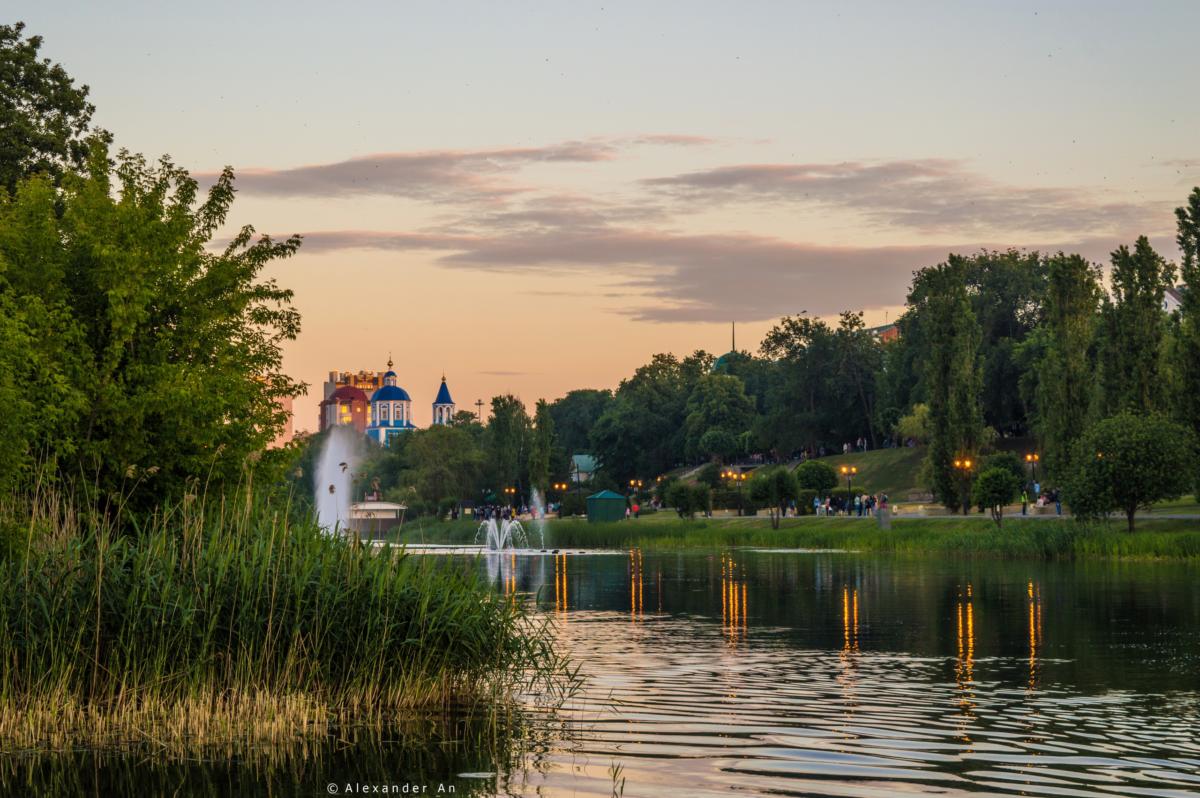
x,y
386,414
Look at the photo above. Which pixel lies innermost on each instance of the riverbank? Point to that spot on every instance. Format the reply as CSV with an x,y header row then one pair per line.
x,y
1041,538
224,621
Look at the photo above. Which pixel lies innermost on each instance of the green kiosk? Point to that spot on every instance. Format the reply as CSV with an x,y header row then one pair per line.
x,y
605,506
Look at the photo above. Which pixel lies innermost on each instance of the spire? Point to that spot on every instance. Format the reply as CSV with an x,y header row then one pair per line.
x,y
389,361
733,336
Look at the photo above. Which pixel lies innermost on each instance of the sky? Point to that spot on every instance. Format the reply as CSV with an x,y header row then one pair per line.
x,y
536,197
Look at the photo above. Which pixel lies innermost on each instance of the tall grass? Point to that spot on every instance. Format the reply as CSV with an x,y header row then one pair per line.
x,y
224,619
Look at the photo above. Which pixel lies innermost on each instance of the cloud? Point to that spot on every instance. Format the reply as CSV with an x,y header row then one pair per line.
x,y
433,176
438,175
930,196
670,277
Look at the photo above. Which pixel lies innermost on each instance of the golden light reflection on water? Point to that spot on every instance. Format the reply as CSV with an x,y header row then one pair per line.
x,y
560,585
637,585
964,667
733,600
1035,629
849,620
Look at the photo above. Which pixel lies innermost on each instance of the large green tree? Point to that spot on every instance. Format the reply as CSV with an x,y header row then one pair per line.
x,y
541,447
1132,328
44,117
719,413
1129,461
953,378
803,402
149,357
1066,370
445,463
507,443
1188,335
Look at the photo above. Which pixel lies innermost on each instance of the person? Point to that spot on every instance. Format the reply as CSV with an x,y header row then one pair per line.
x,y
636,509
627,513
1057,501
1024,502
1037,489
816,505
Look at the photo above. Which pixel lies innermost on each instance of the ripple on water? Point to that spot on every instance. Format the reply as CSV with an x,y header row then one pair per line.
x,y
688,703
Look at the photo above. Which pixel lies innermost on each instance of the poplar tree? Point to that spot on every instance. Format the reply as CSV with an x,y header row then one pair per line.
x,y
1188,337
541,447
1066,372
953,378
1132,328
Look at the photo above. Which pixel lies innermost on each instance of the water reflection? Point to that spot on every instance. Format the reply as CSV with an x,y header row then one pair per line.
x,y
733,600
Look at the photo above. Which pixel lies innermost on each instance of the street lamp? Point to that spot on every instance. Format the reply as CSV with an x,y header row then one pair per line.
x,y
849,473
510,493
739,479
1032,458
963,467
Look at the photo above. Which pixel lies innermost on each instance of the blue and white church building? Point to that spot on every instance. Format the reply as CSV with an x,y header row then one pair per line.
x,y
391,409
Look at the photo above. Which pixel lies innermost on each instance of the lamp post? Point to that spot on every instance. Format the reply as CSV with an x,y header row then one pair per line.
x,y
1032,458
635,486
738,479
849,473
511,493
963,466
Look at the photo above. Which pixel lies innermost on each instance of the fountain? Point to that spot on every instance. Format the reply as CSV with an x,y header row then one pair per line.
x,y
333,485
501,535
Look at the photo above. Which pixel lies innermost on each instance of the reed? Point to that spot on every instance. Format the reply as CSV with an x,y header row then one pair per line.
x,y
222,619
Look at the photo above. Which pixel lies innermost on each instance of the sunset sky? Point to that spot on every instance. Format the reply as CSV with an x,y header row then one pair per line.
x,y
535,197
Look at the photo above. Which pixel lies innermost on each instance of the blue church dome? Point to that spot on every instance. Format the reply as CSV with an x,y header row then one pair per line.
x,y
391,393
443,395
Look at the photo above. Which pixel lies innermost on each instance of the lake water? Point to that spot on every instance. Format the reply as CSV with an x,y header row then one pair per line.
x,y
791,673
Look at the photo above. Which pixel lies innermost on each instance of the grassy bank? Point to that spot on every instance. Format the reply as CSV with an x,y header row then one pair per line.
x,y
974,536
224,620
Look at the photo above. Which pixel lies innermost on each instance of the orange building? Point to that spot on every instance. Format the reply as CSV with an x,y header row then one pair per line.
x,y
345,406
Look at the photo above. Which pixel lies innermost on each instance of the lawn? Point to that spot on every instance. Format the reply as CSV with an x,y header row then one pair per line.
x,y
974,536
891,471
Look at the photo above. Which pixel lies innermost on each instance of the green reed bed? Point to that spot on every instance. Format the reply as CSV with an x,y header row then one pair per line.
x,y
221,620
950,536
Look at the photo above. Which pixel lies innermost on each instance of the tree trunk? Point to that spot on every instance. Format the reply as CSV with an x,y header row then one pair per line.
x,y
1129,515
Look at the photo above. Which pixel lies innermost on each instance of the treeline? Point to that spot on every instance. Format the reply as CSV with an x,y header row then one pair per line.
x,y
993,345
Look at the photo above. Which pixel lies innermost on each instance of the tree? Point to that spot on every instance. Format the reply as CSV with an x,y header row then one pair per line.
x,y
642,431
953,378
1065,371
994,488
541,448
1188,335
687,499
818,476
44,117
1128,462
445,462
803,401
718,413
860,359
915,424
774,487
506,443
160,358
1133,323
575,415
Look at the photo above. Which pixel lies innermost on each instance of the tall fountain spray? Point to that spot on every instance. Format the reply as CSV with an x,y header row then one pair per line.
x,y
334,479
539,513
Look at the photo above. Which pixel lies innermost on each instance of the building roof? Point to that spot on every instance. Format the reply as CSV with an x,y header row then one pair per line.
x,y
583,462
347,393
443,395
391,393
606,494
389,373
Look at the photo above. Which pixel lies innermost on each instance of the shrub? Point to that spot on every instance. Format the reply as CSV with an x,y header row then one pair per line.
x,y
816,476
994,488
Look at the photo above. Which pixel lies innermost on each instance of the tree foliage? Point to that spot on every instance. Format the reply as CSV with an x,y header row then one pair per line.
x,y
146,359
995,487
45,118
1128,462
952,375
816,475
774,487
